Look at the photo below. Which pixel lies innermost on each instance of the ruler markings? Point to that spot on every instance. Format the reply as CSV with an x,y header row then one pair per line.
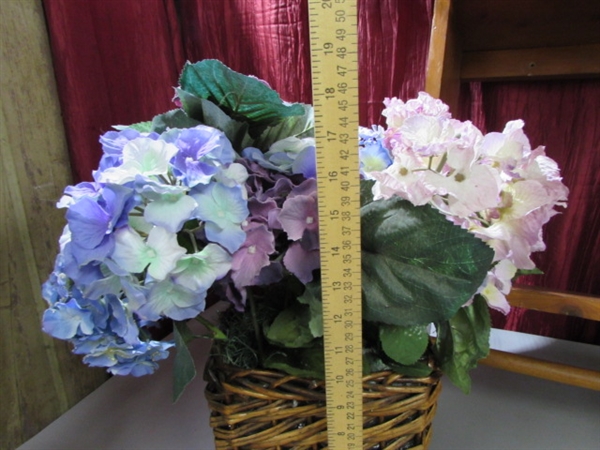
x,y
333,36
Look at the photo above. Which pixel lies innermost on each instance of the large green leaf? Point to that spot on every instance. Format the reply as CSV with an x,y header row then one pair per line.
x,y
366,191
417,267
184,369
209,114
242,97
299,126
462,341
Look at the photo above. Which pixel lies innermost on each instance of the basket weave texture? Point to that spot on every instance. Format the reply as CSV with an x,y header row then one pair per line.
x,y
267,409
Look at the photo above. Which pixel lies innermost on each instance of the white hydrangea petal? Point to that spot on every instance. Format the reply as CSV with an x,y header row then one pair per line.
x,y
170,212
131,252
166,252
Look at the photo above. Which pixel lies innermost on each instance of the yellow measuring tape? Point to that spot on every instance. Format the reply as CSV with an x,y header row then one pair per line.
x,y
334,61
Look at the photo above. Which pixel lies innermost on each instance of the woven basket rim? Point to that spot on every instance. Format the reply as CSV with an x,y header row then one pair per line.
x,y
266,408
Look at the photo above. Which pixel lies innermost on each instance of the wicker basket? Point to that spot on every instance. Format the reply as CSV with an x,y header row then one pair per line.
x,y
264,409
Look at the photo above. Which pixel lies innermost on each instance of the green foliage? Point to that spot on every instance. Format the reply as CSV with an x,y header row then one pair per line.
x,y
462,341
184,368
417,267
534,271
290,328
210,114
142,127
298,126
175,118
308,362
366,192
241,97
312,298
404,345
248,111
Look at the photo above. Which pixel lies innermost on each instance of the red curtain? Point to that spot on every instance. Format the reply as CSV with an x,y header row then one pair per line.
x,y
116,61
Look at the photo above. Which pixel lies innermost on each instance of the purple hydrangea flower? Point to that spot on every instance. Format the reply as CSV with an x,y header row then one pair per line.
x,y
253,256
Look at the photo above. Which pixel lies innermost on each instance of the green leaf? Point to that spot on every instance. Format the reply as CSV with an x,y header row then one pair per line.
x,y
298,126
142,127
418,370
534,271
290,328
216,332
312,298
307,363
417,267
242,97
184,368
373,363
462,341
366,191
175,118
404,345
210,114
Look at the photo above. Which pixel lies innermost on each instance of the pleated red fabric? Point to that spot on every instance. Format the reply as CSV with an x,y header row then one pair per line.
x,y
116,61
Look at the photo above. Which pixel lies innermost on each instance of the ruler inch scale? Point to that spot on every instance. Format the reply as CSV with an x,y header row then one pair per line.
x,y
334,63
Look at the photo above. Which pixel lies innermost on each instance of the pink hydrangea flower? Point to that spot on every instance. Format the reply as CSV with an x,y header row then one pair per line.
x,y
493,185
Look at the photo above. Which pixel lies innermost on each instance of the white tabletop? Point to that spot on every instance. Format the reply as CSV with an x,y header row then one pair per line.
x,y
503,411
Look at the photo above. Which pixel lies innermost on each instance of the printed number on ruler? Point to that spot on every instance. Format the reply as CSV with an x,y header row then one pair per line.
x,y
334,61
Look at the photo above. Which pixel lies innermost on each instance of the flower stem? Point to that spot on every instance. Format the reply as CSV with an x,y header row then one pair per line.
x,y
216,332
442,162
190,233
257,333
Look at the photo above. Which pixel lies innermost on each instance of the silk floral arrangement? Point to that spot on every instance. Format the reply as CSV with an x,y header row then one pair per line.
x,y
217,200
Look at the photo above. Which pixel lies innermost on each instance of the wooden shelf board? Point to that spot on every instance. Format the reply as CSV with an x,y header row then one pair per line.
x,y
580,61
514,24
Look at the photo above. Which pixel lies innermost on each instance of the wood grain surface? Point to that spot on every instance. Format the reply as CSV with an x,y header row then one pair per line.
x,y
39,379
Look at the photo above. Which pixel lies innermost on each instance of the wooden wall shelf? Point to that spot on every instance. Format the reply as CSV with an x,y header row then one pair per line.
x,y
475,40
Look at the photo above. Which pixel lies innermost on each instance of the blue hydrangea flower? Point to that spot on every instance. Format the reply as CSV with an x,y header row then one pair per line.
x,y
58,285
172,300
158,254
121,358
91,221
200,270
373,156
113,143
74,193
121,320
203,150
142,156
222,209
169,206
290,156
65,320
